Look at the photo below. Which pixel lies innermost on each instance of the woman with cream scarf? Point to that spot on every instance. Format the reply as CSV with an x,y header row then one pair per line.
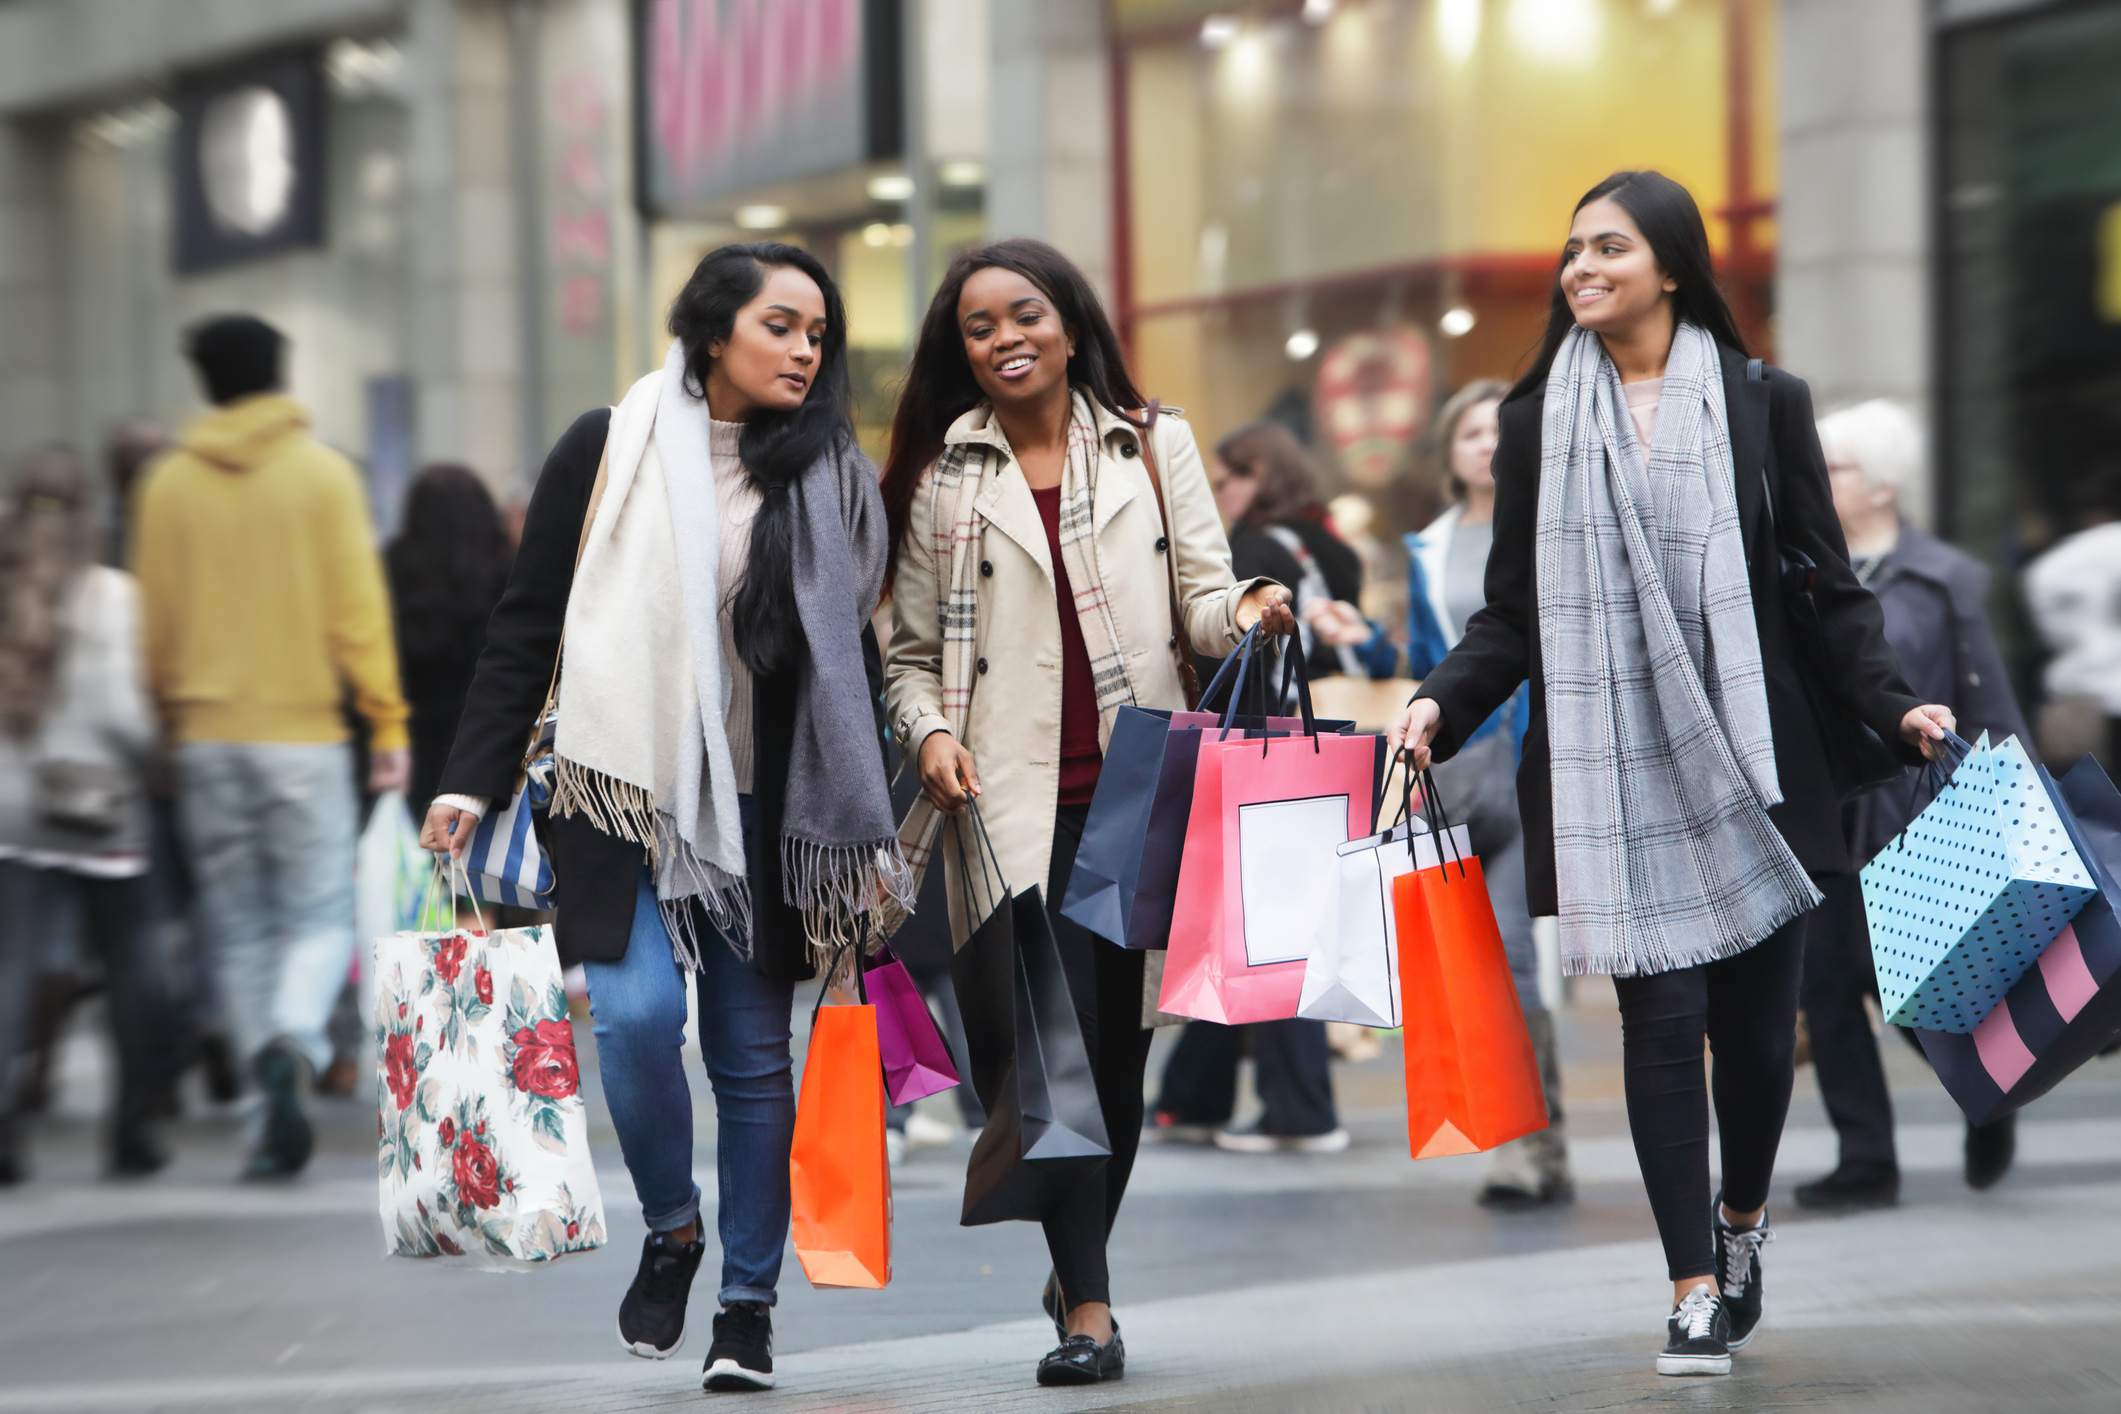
x,y
716,811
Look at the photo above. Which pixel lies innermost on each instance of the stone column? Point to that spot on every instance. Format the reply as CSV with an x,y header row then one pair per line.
x,y
1050,163
30,336
1853,257
466,354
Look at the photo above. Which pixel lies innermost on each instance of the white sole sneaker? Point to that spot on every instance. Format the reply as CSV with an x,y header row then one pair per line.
x,y
649,1352
1693,1364
725,1376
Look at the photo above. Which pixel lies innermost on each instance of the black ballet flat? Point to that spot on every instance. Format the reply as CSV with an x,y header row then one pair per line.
x,y
1080,1360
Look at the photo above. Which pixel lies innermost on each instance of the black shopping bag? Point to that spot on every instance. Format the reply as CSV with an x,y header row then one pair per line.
x,y
1045,1133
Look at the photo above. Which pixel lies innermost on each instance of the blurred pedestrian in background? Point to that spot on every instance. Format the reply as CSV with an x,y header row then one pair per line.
x,y
1447,564
126,452
76,738
1268,492
265,605
2073,593
448,566
716,610
1935,600
1675,795
1018,416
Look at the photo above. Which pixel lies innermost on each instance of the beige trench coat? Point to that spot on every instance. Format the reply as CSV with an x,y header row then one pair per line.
x,y
1013,730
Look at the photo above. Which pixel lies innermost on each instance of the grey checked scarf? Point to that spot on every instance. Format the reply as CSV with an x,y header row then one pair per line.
x,y
954,488
1663,758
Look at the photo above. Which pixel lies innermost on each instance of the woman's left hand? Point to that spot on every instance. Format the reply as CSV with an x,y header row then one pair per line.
x,y
1268,606
1926,726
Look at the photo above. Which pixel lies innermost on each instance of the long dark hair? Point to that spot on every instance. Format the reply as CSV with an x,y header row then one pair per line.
x,y
940,387
777,447
448,564
1665,213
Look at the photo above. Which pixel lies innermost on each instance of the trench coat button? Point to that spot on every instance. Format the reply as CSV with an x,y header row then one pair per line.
x,y
1163,543
983,665
1174,641
1128,449
986,569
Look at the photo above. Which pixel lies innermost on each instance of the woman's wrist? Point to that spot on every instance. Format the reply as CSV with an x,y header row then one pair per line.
x,y
472,805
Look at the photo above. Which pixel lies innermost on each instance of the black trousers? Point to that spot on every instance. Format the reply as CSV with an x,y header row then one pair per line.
x,y
1838,974
1106,984
1746,1009
1292,1066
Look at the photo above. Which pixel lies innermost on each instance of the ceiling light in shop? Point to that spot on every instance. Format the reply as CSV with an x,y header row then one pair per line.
x,y
891,186
762,218
963,174
1301,345
1317,12
1218,30
1557,31
876,233
1456,321
1458,27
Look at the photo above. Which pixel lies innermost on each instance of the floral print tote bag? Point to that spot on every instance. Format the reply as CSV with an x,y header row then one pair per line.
x,y
483,1135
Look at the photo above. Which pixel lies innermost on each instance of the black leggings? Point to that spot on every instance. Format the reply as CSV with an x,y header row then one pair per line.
x,y
1106,983
1746,1007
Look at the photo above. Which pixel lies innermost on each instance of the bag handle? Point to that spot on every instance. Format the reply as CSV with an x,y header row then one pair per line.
x,y
589,518
450,869
1182,642
861,992
979,848
1438,820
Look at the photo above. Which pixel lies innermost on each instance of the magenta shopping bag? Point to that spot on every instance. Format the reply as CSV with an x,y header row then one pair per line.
x,y
916,1062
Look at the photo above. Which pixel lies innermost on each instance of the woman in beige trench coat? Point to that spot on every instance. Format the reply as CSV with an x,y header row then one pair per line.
x,y
1016,486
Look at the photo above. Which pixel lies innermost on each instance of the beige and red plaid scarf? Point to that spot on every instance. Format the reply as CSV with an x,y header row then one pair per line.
x,y
961,473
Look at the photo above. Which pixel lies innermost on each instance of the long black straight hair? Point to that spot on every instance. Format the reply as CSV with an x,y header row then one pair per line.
x,y
940,387
1665,213
777,446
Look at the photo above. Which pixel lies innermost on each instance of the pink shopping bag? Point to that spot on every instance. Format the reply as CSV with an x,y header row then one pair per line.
x,y
916,1062
1258,885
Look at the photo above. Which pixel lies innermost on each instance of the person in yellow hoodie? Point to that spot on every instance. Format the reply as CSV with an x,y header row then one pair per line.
x,y
265,608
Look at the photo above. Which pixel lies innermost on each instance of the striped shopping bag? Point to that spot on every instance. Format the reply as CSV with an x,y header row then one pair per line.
x,y
505,859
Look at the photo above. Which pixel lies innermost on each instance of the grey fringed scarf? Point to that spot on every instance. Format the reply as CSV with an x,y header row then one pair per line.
x,y
641,748
1663,758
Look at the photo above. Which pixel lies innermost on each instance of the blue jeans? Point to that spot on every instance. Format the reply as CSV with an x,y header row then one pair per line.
x,y
638,1010
270,826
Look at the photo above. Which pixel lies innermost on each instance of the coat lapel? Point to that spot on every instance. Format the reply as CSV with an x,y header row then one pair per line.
x,y
1006,505
1746,400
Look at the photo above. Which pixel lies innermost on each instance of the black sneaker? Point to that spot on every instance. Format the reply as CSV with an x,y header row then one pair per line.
x,y
1850,1187
652,1316
741,1357
1080,1360
1697,1336
284,1149
1738,1270
1989,1150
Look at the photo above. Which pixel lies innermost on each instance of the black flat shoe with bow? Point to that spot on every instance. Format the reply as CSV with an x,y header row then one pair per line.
x,y
1080,1360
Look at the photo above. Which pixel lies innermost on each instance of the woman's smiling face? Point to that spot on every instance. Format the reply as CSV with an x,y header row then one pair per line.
x,y
1014,338
1609,274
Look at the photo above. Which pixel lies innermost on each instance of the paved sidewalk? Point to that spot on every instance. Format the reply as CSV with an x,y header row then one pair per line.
x,y
1357,1282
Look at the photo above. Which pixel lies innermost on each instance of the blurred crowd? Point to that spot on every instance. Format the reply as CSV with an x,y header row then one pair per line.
x,y
209,676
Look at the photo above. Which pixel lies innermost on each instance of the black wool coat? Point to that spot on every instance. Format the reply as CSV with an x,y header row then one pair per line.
x,y
1773,437
595,875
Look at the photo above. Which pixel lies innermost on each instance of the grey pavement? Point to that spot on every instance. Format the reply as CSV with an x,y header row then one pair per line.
x,y
1361,1281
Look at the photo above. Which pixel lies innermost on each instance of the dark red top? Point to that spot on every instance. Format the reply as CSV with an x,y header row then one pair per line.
x,y
1080,755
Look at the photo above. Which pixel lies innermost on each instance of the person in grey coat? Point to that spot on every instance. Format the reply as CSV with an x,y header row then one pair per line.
x,y
76,738
1935,598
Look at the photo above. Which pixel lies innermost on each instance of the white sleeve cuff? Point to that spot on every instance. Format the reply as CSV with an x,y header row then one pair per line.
x,y
472,805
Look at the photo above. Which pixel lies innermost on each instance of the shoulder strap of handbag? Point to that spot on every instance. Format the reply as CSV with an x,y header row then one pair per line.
x,y
589,518
1181,641
1756,372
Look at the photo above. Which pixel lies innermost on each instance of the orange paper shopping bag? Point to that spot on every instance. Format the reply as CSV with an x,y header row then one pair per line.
x,y
1472,1081
838,1180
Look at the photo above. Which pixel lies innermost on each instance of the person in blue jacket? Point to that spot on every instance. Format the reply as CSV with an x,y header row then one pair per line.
x,y
1446,570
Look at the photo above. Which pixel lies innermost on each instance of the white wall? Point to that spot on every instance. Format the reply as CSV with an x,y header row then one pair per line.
x,y
1049,164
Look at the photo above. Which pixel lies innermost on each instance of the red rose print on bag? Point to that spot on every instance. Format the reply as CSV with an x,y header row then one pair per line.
x,y
449,957
478,1176
483,982
448,1132
398,1067
544,1060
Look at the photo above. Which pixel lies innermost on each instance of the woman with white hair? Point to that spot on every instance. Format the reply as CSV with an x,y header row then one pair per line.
x,y
1934,597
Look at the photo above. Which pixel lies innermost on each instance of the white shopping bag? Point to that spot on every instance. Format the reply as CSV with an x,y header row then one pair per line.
x,y
483,1143
1353,973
